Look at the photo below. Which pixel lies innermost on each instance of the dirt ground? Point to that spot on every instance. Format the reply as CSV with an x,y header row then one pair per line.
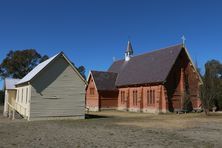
x,y
116,129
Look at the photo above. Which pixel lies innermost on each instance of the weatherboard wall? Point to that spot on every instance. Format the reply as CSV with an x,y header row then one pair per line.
x,y
22,104
57,91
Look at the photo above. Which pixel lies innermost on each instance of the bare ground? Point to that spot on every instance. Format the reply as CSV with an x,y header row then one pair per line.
x,y
116,129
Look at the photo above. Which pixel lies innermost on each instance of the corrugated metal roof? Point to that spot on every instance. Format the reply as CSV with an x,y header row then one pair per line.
x,y
36,70
10,83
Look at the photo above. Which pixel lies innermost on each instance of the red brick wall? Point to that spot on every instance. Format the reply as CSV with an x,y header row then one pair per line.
x,y
108,99
158,105
92,101
100,99
123,104
194,85
168,96
175,84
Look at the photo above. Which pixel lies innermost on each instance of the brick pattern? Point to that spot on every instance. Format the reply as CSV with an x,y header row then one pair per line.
x,y
167,96
92,100
142,103
108,99
175,84
100,99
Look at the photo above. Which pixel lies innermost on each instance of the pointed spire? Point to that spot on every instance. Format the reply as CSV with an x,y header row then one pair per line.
x,y
129,51
129,48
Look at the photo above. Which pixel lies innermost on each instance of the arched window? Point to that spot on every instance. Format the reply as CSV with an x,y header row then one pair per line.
x,y
153,96
91,91
135,97
148,97
122,93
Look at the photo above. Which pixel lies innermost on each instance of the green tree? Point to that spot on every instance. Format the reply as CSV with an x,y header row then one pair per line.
x,y
20,62
82,71
210,92
2,96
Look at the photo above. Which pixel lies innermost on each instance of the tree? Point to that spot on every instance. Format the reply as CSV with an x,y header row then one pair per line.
x,y
82,71
2,96
20,62
210,91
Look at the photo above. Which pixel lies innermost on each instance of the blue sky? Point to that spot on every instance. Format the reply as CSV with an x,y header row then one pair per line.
x,y
91,33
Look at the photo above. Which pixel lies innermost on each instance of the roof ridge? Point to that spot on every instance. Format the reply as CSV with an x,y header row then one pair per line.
x,y
149,52
156,50
148,67
37,69
102,71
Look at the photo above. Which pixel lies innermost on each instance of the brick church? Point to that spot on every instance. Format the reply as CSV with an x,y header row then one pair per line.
x,y
160,81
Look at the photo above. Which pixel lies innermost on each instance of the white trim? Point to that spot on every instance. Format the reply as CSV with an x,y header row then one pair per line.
x,y
74,68
49,62
90,73
5,112
87,79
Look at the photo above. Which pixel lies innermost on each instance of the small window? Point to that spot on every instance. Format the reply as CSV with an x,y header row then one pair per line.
x,y
26,95
22,96
148,97
91,91
153,96
134,97
122,97
18,95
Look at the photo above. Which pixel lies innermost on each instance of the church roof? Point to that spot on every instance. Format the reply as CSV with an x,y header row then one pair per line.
x,y
150,67
104,80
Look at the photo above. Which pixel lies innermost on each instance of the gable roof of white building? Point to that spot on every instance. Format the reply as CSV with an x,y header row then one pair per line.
x,y
9,83
44,64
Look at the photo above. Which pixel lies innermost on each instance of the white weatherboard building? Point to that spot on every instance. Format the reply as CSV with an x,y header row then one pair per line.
x,y
10,95
53,89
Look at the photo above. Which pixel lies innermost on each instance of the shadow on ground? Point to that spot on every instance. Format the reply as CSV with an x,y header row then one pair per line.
x,y
91,116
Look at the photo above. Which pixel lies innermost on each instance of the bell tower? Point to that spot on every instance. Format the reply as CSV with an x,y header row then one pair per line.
x,y
129,51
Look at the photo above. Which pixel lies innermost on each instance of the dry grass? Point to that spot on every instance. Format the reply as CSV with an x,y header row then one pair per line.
x,y
116,129
165,121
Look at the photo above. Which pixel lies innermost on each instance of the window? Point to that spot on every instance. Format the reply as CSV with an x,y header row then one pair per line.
x,y
22,96
26,95
18,95
122,97
150,97
153,96
91,91
135,97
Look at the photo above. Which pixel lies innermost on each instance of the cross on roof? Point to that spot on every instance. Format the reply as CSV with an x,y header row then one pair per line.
x,y
183,39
